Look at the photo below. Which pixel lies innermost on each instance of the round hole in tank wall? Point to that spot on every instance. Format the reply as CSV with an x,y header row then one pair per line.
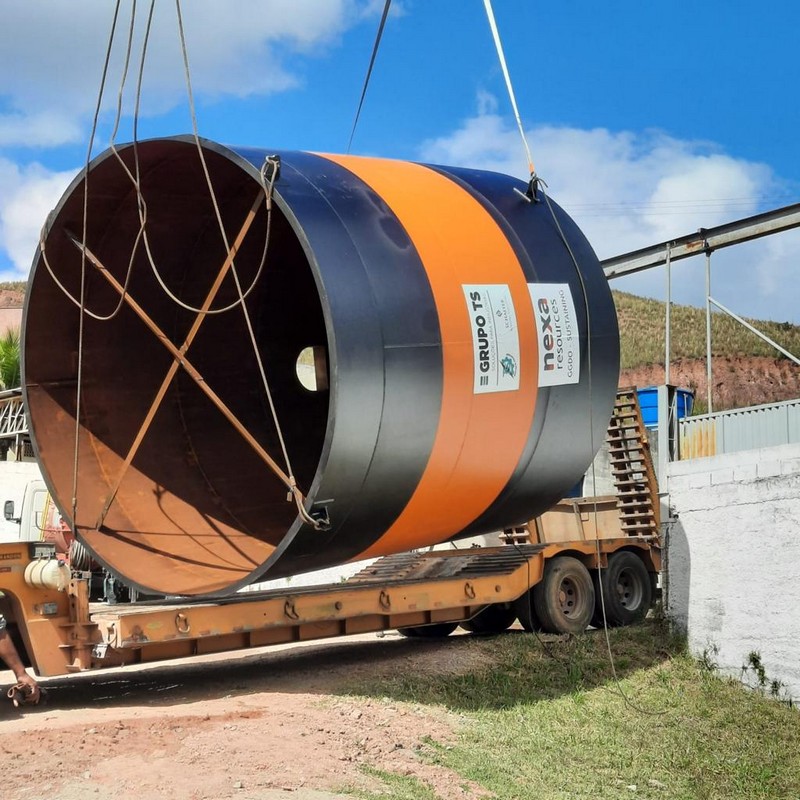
x,y
312,368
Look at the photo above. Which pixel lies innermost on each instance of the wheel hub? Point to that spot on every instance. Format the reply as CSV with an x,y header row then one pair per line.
x,y
629,591
567,596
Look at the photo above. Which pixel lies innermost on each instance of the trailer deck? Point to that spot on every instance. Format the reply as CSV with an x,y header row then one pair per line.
x,y
63,632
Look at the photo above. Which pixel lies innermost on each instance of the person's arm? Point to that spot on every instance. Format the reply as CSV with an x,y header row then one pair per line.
x,y
11,657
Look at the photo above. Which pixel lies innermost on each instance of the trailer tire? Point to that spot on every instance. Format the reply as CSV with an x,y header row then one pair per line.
x,y
436,631
495,618
526,613
564,599
627,591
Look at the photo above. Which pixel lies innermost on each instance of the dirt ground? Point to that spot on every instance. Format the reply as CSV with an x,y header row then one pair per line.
x,y
272,724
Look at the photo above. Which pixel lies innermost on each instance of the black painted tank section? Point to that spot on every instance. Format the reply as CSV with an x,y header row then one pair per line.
x,y
572,418
388,363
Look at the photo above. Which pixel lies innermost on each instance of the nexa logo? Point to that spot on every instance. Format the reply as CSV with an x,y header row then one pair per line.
x,y
547,339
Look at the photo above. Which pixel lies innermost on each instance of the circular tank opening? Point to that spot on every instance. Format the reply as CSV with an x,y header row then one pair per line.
x,y
172,459
312,369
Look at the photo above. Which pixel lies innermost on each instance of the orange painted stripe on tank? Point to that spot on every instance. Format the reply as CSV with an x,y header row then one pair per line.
x,y
480,437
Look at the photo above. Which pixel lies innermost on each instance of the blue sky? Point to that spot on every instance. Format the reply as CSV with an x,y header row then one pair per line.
x,y
648,120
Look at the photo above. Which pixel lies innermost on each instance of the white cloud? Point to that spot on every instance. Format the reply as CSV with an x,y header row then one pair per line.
x,y
50,74
39,129
373,8
487,103
27,194
629,190
235,48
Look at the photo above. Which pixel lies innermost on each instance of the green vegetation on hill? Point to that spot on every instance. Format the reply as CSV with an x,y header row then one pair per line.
x,y
642,333
14,286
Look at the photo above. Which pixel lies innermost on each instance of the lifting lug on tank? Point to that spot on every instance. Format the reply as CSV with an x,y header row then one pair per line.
x,y
272,168
321,517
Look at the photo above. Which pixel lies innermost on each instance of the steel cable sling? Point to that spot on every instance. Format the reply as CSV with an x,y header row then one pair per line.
x,y
268,174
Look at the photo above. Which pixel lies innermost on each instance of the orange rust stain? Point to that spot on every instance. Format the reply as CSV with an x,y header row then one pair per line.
x,y
480,437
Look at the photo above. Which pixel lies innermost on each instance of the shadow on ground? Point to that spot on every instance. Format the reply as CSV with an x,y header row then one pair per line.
x,y
522,668
461,672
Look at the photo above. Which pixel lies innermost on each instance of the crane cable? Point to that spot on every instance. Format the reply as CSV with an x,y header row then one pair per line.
x,y
134,177
268,183
82,302
375,47
79,302
617,682
502,58
532,197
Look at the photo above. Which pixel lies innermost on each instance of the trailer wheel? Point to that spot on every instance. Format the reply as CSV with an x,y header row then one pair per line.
x,y
627,591
495,618
436,631
564,598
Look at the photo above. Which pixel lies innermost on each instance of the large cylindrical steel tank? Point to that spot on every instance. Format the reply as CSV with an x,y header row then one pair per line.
x,y
465,339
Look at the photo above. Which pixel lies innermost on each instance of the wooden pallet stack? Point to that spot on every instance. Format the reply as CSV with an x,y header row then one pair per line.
x,y
632,467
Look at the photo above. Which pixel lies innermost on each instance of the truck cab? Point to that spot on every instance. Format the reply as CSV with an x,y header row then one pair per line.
x,y
29,514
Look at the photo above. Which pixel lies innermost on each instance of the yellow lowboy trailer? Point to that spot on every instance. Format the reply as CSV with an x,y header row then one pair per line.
x,y
587,560
62,632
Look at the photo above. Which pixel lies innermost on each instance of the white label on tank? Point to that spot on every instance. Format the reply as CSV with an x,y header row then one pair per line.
x,y
495,338
557,329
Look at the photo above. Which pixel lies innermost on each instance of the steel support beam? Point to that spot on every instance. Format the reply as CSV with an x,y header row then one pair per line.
x,y
743,230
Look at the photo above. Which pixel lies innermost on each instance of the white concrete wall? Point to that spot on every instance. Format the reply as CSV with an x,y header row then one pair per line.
x,y
733,559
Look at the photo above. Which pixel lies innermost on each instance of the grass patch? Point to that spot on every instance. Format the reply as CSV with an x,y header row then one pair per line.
x,y
642,333
539,725
395,787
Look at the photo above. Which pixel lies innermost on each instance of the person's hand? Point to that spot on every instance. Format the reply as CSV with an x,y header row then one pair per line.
x,y
33,693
